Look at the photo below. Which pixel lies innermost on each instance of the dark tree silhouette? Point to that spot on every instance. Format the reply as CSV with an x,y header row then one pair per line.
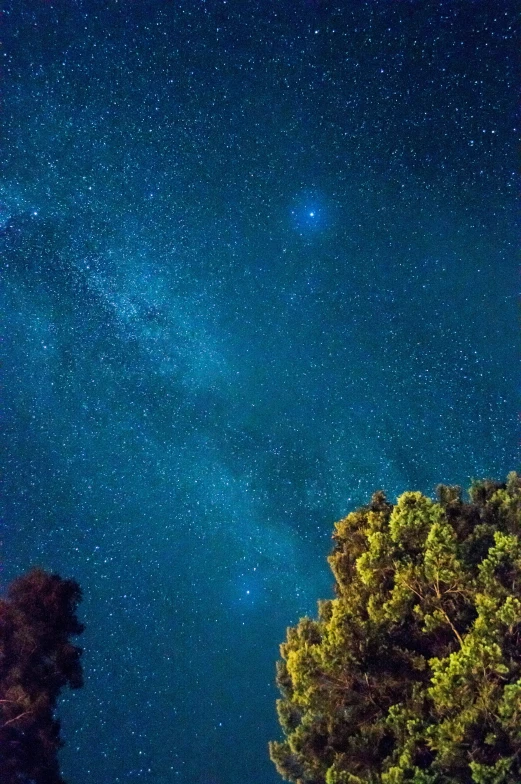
x,y
413,672
37,660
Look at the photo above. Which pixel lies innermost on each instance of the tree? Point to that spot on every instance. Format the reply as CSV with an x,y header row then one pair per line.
x,y
413,672
37,660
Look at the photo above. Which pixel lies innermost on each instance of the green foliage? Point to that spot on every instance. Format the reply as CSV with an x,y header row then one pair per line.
x,y
412,674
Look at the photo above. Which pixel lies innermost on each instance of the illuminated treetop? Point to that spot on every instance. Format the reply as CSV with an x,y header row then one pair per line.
x,y
413,672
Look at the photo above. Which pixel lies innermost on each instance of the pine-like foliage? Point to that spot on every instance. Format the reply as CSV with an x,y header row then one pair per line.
x,y
413,672
36,661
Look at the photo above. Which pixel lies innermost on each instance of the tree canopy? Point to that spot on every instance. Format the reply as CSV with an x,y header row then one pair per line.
x,y
413,672
37,660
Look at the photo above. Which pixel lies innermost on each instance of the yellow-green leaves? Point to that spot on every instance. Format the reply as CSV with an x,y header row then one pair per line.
x,y
412,673
442,568
503,771
509,709
411,520
300,653
500,571
337,774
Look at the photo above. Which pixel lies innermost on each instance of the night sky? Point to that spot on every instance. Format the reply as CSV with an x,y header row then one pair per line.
x,y
259,260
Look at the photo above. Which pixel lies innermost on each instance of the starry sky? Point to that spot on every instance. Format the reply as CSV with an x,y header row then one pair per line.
x,y
259,259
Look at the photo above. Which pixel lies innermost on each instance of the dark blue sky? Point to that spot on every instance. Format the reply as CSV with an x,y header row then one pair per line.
x,y
259,260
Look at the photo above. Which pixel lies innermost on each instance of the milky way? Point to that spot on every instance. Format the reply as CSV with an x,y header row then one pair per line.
x,y
258,261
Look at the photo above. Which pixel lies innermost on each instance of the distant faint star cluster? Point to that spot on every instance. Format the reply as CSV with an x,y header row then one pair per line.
x,y
259,261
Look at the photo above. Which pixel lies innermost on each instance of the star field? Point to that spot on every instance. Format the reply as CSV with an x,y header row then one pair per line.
x,y
259,260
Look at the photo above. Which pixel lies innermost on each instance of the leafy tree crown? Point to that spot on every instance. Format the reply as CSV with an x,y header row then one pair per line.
x,y
37,660
412,673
